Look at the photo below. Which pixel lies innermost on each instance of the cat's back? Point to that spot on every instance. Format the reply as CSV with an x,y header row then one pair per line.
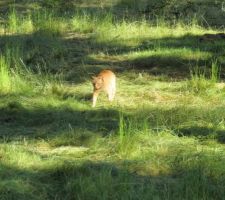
x,y
108,76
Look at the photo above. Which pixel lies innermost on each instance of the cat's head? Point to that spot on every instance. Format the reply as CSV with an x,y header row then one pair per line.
x,y
97,82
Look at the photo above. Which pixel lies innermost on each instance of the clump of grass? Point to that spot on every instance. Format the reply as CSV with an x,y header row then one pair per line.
x,y
19,23
44,22
84,23
6,82
13,75
17,78
215,72
11,72
26,24
74,137
200,81
13,21
129,129
47,23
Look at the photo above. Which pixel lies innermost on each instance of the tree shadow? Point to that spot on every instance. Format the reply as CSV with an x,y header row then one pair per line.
x,y
18,122
56,123
184,11
203,133
175,57
70,56
94,180
181,121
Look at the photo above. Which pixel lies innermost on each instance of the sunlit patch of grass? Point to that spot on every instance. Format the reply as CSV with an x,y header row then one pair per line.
x,y
12,78
202,81
107,29
162,156
135,33
83,23
18,23
17,78
27,25
40,21
21,168
162,53
4,76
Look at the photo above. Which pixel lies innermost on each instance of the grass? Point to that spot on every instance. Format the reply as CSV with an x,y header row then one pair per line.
x,y
5,77
162,137
199,81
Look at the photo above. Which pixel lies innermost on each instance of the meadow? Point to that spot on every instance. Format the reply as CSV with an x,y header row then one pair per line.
x,y
163,136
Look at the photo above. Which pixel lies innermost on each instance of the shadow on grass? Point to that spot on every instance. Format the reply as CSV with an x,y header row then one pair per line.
x,y
187,121
170,56
203,132
49,54
18,122
70,56
101,180
68,125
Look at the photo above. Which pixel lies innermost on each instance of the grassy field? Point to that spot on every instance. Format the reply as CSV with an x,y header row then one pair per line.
x,y
163,136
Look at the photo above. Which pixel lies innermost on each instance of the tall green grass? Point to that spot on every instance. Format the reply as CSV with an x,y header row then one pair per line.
x,y
13,21
84,23
12,74
16,77
46,22
109,29
17,23
202,80
39,27
43,21
130,129
6,82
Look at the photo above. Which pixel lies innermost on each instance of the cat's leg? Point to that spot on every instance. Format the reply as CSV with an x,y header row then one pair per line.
x,y
111,93
94,98
113,90
110,97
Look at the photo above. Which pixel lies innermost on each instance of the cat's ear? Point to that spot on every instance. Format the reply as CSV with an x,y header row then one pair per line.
x,y
93,77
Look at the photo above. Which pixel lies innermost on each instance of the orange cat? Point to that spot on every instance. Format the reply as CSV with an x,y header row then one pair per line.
x,y
104,81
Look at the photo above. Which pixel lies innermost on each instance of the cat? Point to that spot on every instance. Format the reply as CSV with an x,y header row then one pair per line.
x,y
104,81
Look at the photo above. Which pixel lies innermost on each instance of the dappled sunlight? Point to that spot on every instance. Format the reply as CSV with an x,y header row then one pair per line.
x,y
132,34
184,53
163,135
162,160
163,53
